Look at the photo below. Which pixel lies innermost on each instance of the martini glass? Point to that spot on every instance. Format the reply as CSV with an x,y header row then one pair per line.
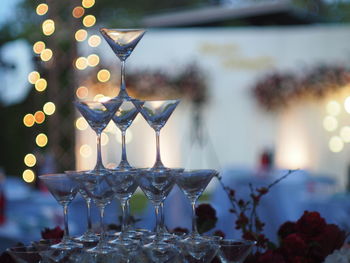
x,y
235,251
98,114
122,42
156,185
124,184
63,190
193,183
98,189
123,118
89,236
157,113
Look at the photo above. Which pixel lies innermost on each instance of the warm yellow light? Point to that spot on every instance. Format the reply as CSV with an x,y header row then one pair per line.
x,y
39,117
336,144
48,27
347,104
29,120
93,60
82,92
41,140
46,54
333,108
345,133
101,98
49,108
28,176
81,124
94,41
85,151
33,77
104,139
30,160
103,75
42,9
330,123
89,20
81,63
81,35
40,85
88,3
38,47
78,12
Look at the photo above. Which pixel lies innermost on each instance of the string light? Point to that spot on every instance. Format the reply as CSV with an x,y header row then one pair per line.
x,y
30,160
93,60
33,77
38,47
94,41
82,92
336,144
29,120
41,140
88,3
103,75
48,27
49,108
28,176
89,20
39,117
81,124
78,12
40,85
46,54
42,9
85,151
81,63
81,35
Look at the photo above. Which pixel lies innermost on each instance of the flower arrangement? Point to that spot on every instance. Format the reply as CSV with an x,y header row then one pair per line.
x,y
278,90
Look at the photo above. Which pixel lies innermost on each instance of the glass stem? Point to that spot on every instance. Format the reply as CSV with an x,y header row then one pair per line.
x,y
124,225
99,164
194,221
102,234
156,209
127,213
124,161
158,162
161,210
122,92
89,223
65,219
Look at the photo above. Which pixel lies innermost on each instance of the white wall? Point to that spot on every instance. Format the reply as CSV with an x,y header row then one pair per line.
x,y
233,59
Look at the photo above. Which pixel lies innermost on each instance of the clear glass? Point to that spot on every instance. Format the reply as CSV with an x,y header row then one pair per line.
x,y
98,114
156,185
122,42
235,251
64,190
123,118
26,254
157,113
193,183
98,189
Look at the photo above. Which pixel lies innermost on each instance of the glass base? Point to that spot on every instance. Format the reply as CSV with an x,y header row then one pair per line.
x,y
67,244
101,249
87,237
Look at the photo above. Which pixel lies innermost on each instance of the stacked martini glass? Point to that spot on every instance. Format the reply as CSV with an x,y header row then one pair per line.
x,y
101,185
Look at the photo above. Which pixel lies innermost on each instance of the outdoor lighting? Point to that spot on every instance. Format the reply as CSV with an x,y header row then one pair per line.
x,y
40,85
94,41
49,108
103,75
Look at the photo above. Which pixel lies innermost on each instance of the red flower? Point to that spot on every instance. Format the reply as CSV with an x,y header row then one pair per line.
x,y
271,256
55,233
286,229
310,225
293,245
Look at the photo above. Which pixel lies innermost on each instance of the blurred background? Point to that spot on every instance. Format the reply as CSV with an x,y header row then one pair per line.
x,y
265,87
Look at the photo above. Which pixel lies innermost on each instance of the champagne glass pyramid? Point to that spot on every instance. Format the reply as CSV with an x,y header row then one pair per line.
x,y
193,183
157,113
122,42
63,190
123,118
98,114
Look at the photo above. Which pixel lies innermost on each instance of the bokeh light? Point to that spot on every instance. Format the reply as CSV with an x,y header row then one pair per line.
x,y
33,77
39,117
94,41
78,12
81,35
42,9
46,54
81,124
38,47
48,27
93,60
28,176
49,108
345,133
336,144
82,92
103,75
81,63
88,3
104,139
347,104
41,140
30,160
101,98
330,123
29,120
89,20
85,150
333,108
40,85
